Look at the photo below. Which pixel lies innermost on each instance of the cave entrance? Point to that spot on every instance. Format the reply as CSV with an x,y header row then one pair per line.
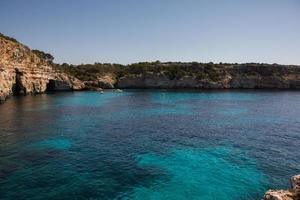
x,y
51,85
18,88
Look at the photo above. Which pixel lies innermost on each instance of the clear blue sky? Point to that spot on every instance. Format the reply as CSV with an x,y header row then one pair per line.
x,y
126,31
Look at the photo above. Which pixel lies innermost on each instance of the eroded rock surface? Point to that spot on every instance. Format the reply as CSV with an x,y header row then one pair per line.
x,y
23,72
107,81
293,193
163,81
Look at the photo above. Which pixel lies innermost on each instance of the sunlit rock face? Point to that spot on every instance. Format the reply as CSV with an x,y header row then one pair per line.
x,y
293,193
23,72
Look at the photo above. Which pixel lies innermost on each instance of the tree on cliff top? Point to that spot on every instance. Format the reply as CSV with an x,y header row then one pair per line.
x,y
8,38
46,56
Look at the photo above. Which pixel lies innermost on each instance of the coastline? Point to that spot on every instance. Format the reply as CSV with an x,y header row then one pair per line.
x,y
293,193
24,71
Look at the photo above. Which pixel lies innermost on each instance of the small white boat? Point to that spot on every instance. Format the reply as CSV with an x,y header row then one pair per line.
x,y
118,90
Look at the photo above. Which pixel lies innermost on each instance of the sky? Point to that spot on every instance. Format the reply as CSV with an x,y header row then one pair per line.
x,y
127,31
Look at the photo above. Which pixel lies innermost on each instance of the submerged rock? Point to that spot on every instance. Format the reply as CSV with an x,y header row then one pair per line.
x,y
291,194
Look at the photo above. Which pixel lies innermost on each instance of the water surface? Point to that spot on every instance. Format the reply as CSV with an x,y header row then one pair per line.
x,y
154,144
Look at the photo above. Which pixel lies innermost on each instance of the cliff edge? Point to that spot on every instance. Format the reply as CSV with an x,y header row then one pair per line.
x,y
192,75
215,76
23,71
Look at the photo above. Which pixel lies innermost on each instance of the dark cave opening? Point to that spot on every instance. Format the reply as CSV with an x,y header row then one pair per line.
x,y
18,88
50,85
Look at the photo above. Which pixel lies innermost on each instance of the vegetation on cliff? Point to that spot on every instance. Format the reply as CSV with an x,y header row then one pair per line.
x,y
42,55
174,74
8,38
174,70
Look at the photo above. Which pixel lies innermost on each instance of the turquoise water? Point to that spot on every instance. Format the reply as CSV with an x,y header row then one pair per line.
x,y
150,144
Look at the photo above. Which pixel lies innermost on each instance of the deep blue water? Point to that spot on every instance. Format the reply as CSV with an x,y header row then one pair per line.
x,y
173,145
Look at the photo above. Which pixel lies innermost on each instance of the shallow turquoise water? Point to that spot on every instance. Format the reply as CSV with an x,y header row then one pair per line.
x,y
149,145
201,174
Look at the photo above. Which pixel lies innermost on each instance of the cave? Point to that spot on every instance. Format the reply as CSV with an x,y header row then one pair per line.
x,y
51,85
58,85
18,88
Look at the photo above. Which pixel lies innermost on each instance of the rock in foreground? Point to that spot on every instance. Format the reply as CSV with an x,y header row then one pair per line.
x,y
291,194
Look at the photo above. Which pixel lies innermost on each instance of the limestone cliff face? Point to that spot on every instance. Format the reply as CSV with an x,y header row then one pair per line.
x,y
276,77
107,81
291,194
23,72
163,81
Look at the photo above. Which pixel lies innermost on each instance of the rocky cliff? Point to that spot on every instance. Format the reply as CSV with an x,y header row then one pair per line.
x,y
220,77
293,193
24,72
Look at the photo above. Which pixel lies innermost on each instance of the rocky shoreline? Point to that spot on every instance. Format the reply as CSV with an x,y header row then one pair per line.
x,y
235,77
25,71
293,193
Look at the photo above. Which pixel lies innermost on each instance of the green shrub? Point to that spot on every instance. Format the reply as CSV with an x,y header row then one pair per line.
x,y
8,38
45,56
